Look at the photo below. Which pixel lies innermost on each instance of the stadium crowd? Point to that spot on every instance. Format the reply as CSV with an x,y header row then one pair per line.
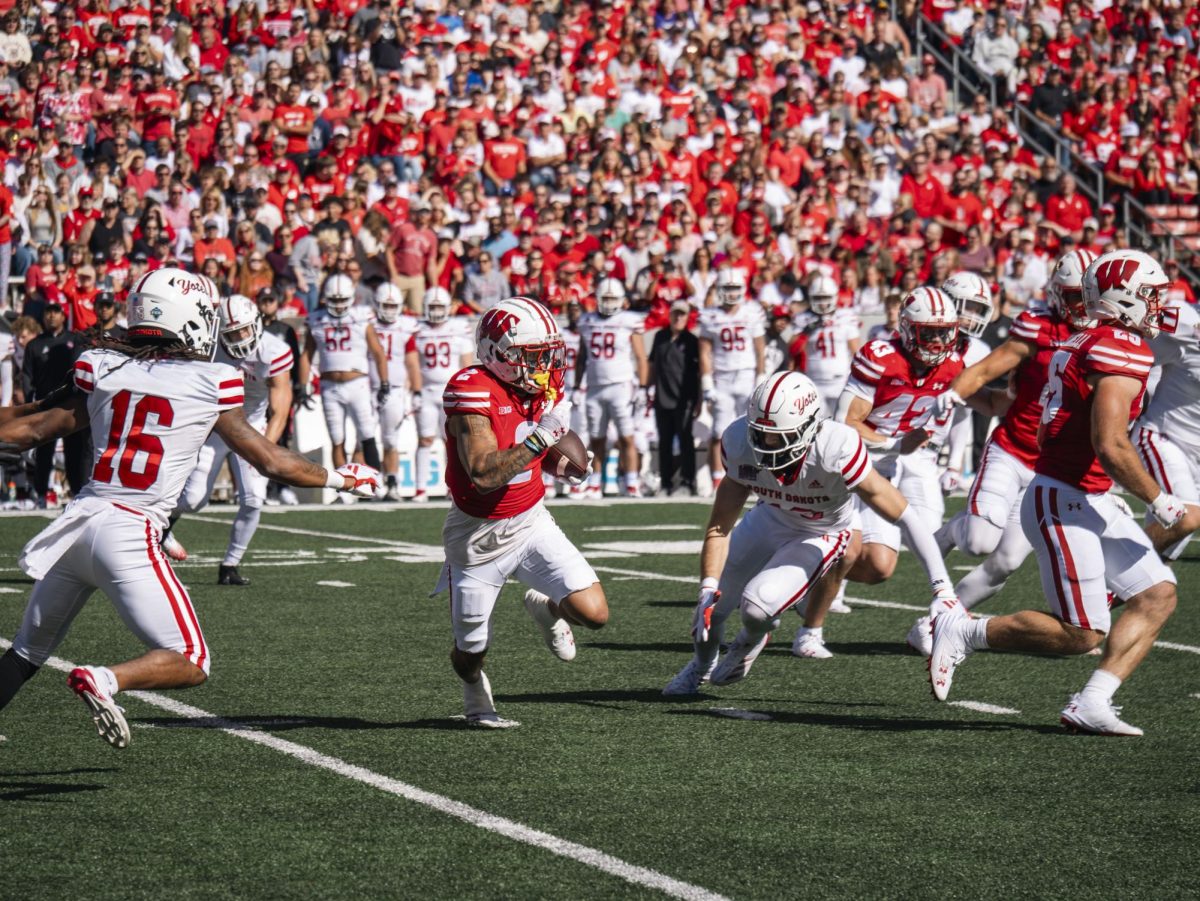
x,y
535,148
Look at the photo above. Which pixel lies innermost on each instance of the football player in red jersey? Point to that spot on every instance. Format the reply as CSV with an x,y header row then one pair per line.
x,y
889,400
501,418
991,523
1086,541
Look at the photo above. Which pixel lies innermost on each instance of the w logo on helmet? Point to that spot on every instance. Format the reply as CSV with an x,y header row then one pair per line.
x,y
496,324
1115,274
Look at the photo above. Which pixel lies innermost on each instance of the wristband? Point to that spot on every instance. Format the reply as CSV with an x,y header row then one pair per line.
x,y
708,583
334,479
535,445
706,383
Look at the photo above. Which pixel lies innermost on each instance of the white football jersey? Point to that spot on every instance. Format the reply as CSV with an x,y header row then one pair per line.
x,y
440,349
827,354
149,419
572,340
396,338
341,340
7,368
732,335
819,495
271,357
1175,407
607,342
974,350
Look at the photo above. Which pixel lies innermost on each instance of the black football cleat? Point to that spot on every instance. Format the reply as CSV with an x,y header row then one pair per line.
x,y
228,575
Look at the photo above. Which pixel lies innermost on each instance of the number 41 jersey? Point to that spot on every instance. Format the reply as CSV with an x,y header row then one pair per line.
x,y
883,375
149,419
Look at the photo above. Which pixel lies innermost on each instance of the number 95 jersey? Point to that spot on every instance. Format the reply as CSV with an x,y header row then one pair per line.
x,y
899,397
732,333
149,419
606,342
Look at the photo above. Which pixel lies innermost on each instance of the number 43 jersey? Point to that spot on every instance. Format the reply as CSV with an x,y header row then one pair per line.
x,y
149,419
900,397
607,341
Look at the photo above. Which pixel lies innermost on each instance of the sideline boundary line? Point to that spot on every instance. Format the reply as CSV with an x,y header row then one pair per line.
x,y
518,832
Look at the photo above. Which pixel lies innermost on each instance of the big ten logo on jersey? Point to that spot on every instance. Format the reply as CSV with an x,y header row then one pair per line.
x,y
733,338
603,344
497,323
338,338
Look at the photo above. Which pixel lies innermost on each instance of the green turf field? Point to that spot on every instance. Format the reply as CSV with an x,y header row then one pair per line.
x,y
860,784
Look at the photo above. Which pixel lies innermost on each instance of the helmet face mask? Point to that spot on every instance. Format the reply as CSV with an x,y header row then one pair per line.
x,y
241,326
389,303
1126,287
731,291
520,344
783,419
1064,293
973,299
928,325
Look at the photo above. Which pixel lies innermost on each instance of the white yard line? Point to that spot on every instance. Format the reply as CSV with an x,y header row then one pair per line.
x,y
981,707
518,832
333,583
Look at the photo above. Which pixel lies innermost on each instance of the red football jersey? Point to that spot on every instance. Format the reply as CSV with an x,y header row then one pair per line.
x,y
900,397
1066,430
513,415
1018,431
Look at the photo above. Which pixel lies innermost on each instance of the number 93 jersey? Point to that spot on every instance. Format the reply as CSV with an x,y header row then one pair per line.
x,y
341,340
900,397
440,349
606,341
732,334
149,419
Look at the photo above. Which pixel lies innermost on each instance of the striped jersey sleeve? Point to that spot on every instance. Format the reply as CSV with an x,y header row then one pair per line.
x,y
1027,327
869,365
282,363
1120,353
231,392
84,374
469,392
845,452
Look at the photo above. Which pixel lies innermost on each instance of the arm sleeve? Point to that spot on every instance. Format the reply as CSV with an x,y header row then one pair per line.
x,y
922,543
856,464
84,374
230,393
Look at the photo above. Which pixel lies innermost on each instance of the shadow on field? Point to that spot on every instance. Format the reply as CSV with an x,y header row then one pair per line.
x,y
676,647
284,723
684,603
599,698
888,723
16,580
13,788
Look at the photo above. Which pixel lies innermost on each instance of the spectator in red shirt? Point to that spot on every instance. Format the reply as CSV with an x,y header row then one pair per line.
x,y
503,160
922,187
411,255
295,121
1067,209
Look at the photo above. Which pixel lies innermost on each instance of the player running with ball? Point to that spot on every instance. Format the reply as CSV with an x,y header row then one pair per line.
x,y
802,536
501,418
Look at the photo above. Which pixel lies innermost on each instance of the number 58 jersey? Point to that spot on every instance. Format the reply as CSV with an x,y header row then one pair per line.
x,y
606,340
899,395
149,419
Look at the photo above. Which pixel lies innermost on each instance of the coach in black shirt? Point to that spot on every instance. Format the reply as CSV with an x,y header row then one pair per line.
x,y
675,375
49,359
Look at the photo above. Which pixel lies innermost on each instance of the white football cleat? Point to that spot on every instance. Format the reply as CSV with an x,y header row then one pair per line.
x,y
393,493
593,493
920,636
839,605
633,491
556,631
108,717
735,665
173,549
689,679
421,497
1101,719
480,708
288,497
809,645
949,649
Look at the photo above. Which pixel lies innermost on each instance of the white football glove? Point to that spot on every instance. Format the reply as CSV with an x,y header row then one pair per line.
x,y
946,402
1167,509
573,480
366,479
951,481
554,423
702,618
945,601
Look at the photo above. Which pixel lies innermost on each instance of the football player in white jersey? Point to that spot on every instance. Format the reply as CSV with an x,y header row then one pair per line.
x,y
806,470
395,328
826,341
1167,436
972,298
732,356
265,362
150,404
444,345
612,353
342,340
7,344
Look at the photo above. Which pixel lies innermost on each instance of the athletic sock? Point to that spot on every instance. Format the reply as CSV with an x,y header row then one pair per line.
x,y
1100,687
595,480
15,671
977,634
107,679
631,479
423,463
818,632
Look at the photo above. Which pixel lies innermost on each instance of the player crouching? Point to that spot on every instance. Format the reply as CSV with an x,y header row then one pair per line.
x,y
801,538
501,418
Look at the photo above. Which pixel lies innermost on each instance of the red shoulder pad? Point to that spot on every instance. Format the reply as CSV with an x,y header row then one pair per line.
x,y
1029,327
1118,352
873,361
470,391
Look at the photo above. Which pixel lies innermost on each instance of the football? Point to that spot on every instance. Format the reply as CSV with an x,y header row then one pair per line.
x,y
567,459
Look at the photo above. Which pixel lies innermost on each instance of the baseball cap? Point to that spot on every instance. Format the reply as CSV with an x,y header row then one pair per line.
x,y
681,306
657,248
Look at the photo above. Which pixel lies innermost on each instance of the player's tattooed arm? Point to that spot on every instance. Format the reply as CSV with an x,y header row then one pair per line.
x,y
28,426
270,459
487,466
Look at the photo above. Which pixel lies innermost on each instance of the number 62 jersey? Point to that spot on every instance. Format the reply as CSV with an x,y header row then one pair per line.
x,y
149,419
900,398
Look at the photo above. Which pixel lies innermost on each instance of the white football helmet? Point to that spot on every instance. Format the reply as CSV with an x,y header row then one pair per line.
x,y
338,295
437,306
1126,286
389,302
782,420
822,295
731,287
610,296
972,297
519,343
1064,291
172,305
928,325
241,325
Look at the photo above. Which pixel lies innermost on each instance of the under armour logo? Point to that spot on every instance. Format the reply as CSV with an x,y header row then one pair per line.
x,y
1074,506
